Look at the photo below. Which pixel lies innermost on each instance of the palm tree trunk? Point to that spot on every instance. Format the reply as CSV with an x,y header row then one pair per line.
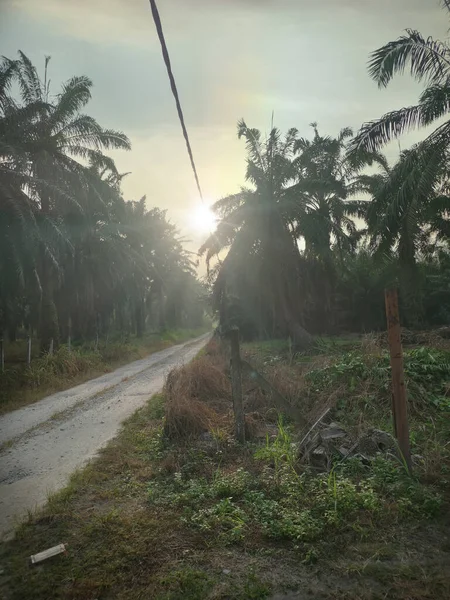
x,y
48,317
139,319
301,339
48,323
284,275
162,310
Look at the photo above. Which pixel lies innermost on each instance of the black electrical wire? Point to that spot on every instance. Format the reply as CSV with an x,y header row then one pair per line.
x,y
173,85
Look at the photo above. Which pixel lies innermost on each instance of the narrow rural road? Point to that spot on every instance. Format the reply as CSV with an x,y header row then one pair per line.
x,y
42,444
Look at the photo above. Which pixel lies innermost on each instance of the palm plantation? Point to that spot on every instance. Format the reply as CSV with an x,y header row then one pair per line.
x,y
263,259
322,226
315,462
75,257
393,223
314,215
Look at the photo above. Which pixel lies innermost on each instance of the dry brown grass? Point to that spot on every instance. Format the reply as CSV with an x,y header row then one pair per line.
x,y
198,395
289,380
436,338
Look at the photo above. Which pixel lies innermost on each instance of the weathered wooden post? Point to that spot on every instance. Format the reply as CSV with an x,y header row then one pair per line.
x,y
236,385
399,406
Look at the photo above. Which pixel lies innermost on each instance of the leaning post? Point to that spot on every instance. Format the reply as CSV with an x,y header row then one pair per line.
x,y
399,404
236,385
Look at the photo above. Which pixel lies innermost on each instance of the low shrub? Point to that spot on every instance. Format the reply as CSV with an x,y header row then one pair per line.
x,y
427,373
61,363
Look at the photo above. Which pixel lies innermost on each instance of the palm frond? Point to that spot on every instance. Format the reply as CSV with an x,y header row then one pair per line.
x,y
253,143
375,134
345,133
108,139
435,103
28,79
428,59
356,208
75,94
229,204
8,71
359,158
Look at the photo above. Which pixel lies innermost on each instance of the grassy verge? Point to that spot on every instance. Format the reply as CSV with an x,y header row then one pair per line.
x,y
174,509
21,385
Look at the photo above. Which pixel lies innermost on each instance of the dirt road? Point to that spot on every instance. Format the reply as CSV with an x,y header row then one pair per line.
x,y
42,444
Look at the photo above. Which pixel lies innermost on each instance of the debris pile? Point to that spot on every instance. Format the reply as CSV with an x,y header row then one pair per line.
x,y
326,442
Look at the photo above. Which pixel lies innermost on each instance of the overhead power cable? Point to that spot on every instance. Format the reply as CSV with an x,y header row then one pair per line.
x,y
173,85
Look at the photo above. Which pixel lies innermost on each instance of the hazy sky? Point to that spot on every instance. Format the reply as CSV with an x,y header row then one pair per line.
x,y
304,59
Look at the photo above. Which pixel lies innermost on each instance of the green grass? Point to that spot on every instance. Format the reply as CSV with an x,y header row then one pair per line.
x,y
213,520
21,385
281,350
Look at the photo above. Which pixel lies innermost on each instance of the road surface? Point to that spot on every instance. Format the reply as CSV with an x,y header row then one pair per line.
x,y
42,444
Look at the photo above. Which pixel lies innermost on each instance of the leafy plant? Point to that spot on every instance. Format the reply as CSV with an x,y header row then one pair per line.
x,y
282,450
427,373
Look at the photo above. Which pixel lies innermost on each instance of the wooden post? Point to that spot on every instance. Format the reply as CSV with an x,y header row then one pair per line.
x,y
29,351
399,406
236,385
50,350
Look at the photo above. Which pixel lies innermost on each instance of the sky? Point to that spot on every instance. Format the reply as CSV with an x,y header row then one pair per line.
x,y
303,60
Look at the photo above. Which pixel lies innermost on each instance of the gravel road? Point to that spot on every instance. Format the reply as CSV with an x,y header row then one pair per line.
x,y
42,444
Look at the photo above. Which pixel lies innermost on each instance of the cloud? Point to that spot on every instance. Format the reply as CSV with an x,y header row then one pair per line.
x,y
116,21
129,22
304,59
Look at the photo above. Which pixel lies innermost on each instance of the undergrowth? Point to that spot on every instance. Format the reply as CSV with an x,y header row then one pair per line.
x,y
271,497
427,373
175,508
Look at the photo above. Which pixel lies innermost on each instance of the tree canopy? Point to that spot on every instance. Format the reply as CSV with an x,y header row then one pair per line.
x,y
74,254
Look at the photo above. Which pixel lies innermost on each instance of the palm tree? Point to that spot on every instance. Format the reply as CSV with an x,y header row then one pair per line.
x,y
74,255
402,215
407,215
261,269
21,228
328,179
41,144
410,208
428,61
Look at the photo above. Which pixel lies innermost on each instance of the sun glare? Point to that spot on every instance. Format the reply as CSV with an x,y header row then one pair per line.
x,y
203,219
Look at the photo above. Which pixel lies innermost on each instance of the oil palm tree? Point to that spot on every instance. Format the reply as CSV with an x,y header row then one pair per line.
x,y
42,141
408,215
428,61
403,215
262,263
409,212
327,180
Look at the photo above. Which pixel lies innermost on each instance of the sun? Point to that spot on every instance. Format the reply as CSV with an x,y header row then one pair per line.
x,y
203,219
